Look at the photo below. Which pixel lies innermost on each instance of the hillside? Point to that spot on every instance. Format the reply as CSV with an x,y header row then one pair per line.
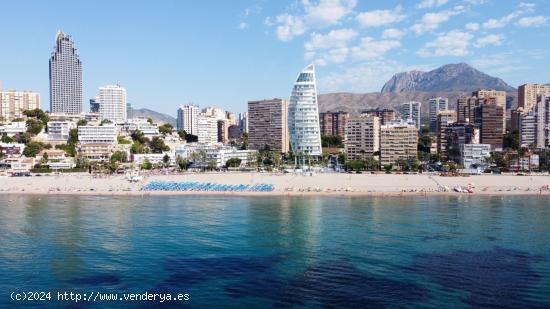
x,y
156,116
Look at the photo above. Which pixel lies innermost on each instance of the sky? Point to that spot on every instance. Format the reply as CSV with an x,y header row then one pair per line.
x,y
226,53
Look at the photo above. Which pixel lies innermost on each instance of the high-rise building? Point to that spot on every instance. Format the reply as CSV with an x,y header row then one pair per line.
x,y
129,110
437,105
94,105
215,112
491,124
362,137
207,127
398,142
14,103
231,118
112,103
543,122
223,131
467,110
333,123
243,122
411,111
303,115
528,129
444,119
187,119
65,77
528,95
386,115
498,98
268,125
456,135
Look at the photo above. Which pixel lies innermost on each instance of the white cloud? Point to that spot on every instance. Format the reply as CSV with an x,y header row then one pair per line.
x,y
522,9
372,49
431,21
472,26
335,38
337,55
431,3
533,21
500,63
452,43
316,15
491,39
380,18
393,33
243,25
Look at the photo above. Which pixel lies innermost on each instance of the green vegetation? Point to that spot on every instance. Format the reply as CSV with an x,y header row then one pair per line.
x,y
157,145
166,129
32,149
81,122
119,156
182,163
7,139
332,141
233,162
106,121
511,140
123,141
37,114
34,126
370,164
146,165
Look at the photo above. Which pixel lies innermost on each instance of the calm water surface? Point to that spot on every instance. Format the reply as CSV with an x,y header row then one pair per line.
x,y
280,252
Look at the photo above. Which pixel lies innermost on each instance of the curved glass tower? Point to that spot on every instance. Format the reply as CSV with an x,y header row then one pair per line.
x,y
303,115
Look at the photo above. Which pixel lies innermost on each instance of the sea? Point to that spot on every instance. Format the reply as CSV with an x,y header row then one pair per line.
x,y
265,252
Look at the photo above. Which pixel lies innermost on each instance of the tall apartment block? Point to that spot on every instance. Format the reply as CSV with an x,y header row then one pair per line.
x,y
456,135
13,103
268,125
386,115
187,121
437,105
362,137
467,110
498,98
410,111
207,129
112,101
243,122
444,120
398,142
65,77
303,115
491,124
528,95
333,123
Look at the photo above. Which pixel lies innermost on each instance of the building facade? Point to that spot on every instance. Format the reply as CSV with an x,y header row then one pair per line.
x,y
475,156
112,104
498,98
362,137
268,125
58,131
65,77
444,120
411,111
398,142
437,105
303,115
14,103
491,125
207,127
386,115
528,95
243,122
188,116
333,123
105,134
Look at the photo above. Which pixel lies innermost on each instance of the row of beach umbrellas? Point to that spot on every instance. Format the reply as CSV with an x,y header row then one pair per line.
x,y
201,186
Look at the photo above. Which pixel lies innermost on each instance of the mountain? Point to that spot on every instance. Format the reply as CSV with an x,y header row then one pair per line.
x,y
448,78
157,117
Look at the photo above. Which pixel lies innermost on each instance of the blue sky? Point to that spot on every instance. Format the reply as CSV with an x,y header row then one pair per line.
x,y
224,53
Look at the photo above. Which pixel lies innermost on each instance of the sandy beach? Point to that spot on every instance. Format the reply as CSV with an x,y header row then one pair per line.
x,y
285,184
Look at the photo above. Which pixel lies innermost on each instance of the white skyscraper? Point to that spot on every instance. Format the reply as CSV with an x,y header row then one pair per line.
x,y
411,111
303,115
437,105
243,122
207,127
188,119
65,77
112,103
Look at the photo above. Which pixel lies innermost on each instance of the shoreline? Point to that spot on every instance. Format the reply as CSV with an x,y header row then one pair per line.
x,y
291,185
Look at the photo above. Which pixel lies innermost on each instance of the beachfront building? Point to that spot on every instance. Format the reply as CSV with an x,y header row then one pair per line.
x,y
112,104
303,115
13,128
243,122
456,135
200,154
444,119
13,103
410,111
528,95
65,77
333,123
528,129
475,156
495,97
154,158
105,134
386,115
207,127
362,137
467,110
140,124
436,106
491,124
11,149
268,125
398,142
223,131
188,116
58,131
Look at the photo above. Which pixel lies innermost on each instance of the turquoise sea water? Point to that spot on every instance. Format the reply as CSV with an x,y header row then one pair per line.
x,y
450,252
